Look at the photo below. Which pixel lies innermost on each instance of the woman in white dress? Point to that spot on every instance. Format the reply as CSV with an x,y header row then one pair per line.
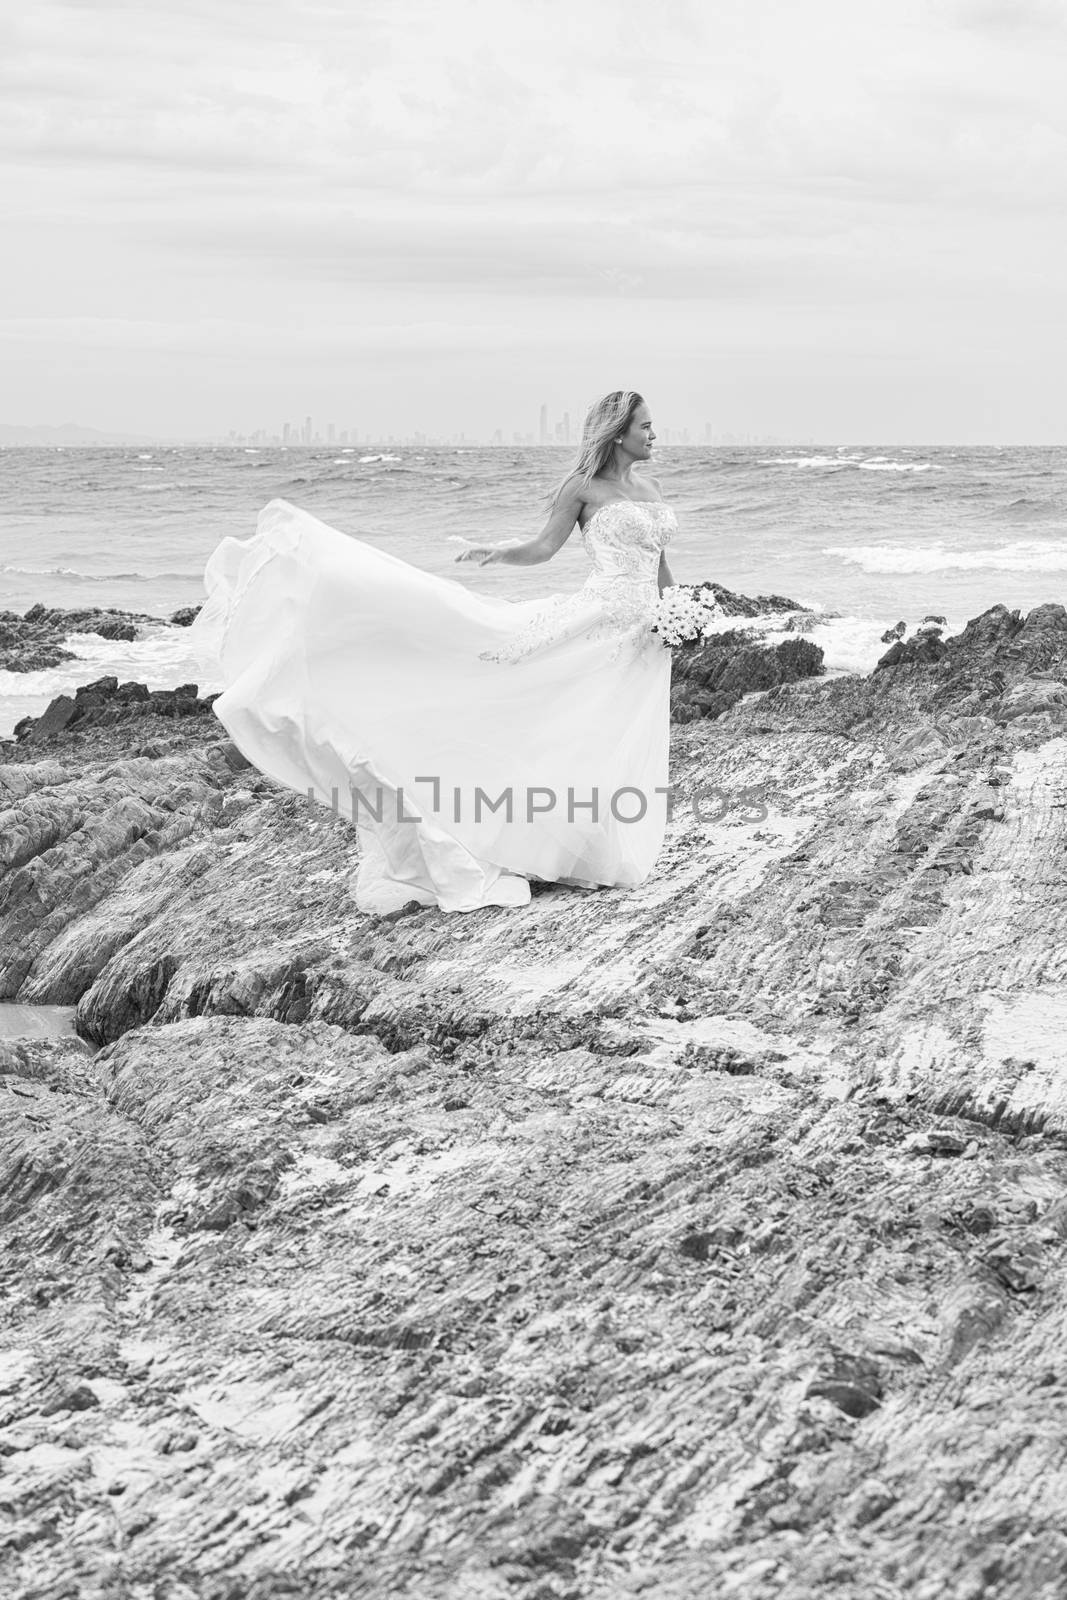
x,y
476,743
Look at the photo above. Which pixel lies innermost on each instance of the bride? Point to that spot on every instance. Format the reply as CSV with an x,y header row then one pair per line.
x,y
477,743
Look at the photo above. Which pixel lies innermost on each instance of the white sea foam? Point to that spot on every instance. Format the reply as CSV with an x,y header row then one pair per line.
x,y
862,463
852,644
160,660
849,644
1024,555
812,461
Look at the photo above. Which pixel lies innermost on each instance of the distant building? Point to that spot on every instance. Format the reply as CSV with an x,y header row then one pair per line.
x,y
544,424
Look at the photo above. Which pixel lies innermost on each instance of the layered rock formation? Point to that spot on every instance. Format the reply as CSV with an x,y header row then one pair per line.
x,y
706,1238
106,702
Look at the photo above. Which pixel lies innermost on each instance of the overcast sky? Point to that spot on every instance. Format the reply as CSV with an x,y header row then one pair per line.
x,y
842,219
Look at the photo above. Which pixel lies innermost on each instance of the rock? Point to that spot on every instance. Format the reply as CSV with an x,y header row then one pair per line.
x,y
22,652
1017,1264
233,757
972,1314
742,605
996,648
1035,697
711,675
76,1397
804,621
923,647
106,702
853,1384
184,616
892,634
53,720
936,1142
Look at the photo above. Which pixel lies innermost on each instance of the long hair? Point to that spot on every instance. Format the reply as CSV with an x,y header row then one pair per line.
x,y
605,420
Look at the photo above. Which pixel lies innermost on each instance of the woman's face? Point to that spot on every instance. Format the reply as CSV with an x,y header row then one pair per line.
x,y
638,439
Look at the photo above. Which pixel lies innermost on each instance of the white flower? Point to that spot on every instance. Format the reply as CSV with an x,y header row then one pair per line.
x,y
682,614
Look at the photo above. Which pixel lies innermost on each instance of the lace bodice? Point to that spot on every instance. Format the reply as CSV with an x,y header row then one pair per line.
x,y
623,540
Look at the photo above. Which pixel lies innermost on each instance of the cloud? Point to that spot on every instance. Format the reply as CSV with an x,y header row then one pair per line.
x,y
502,100
771,176
211,336
1010,17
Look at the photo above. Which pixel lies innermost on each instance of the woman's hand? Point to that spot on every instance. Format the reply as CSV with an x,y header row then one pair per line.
x,y
482,553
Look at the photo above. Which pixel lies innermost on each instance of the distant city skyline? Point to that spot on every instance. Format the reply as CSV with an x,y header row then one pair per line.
x,y
552,431
562,431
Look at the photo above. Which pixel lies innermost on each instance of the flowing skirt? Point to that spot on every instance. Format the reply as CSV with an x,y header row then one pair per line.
x,y
387,692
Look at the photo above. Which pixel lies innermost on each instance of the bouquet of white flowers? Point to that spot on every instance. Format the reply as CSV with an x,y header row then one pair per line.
x,y
682,614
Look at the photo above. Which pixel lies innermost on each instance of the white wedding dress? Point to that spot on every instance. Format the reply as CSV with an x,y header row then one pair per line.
x,y
469,738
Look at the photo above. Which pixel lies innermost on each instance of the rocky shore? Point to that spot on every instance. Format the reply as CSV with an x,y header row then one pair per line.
x,y
702,1239
35,640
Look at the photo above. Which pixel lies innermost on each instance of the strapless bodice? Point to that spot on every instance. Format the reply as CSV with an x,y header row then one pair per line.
x,y
624,538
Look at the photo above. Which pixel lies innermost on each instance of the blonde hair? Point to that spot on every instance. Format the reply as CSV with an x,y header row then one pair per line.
x,y
605,420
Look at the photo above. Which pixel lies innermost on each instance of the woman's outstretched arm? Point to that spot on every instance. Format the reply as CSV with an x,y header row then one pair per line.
x,y
529,552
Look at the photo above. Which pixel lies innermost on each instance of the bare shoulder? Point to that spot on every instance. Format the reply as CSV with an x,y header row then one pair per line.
x,y
573,493
594,492
655,484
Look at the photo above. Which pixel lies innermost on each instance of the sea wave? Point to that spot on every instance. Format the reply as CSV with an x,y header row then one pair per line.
x,y
1028,510
1025,555
860,462
811,461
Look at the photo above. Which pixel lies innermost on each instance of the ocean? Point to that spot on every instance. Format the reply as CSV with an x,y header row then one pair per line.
x,y
867,536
